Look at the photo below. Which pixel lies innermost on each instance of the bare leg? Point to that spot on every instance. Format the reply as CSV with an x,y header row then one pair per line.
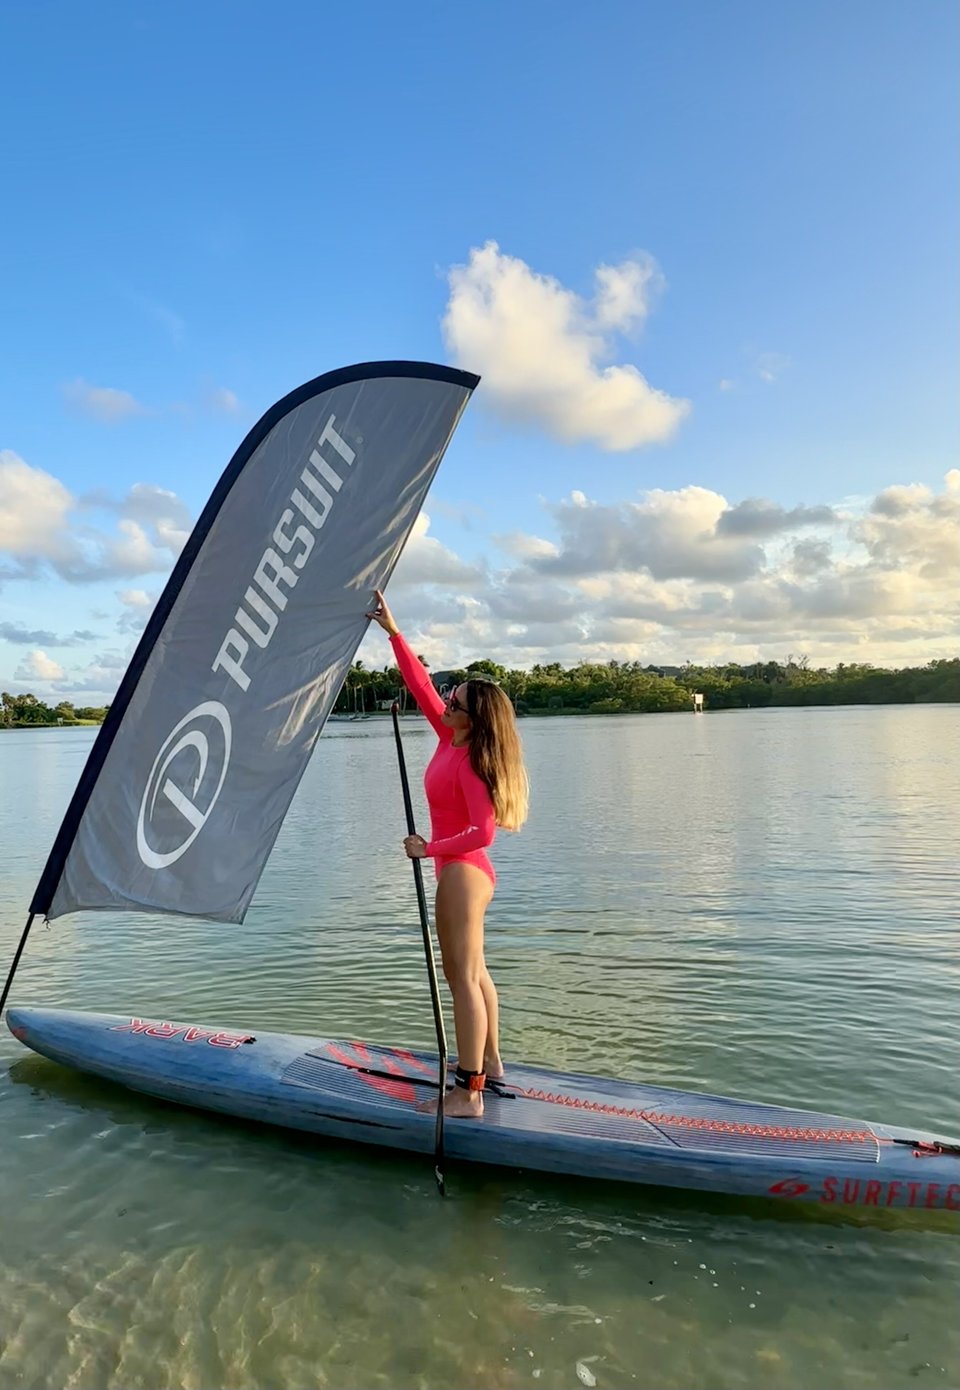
x,y
463,892
492,1063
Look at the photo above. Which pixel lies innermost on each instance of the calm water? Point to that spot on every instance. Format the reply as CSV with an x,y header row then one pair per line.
x,y
760,903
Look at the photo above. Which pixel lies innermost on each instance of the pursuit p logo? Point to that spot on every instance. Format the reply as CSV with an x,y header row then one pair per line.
x,y
184,783
789,1187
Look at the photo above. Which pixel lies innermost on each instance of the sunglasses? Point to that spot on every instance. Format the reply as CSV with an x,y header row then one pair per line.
x,y
454,704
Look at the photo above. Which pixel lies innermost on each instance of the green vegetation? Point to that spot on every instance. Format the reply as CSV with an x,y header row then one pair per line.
x,y
620,687
27,712
736,687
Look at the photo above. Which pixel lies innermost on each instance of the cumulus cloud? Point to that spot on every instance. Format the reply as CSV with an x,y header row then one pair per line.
x,y
41,528
133,552
136,598
624,293
137,606
915,525
757,516
523,547
662,577
34,508
657,580
103,403
97,682
811,556
426,561
543,351
669,534
21,636
155,508
37,666
524,600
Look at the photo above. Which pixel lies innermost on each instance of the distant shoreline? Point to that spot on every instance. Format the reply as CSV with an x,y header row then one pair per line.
x,y
555,713
64,724
614,688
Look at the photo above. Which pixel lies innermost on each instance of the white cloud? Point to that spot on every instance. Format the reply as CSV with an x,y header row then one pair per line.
x,y
99,678
137,598
40,528
656,580
103,403
810,556
670,534
37,666
662,577
524,599
624,292
541,349
155,508
133,553
523,547
34,507
137,607
21,636
426,561
917,526
758,517
148,503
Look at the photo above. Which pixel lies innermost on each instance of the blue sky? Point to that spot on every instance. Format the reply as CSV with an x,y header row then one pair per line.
x,y
208,204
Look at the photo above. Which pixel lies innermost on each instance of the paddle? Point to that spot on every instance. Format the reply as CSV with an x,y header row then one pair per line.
x,y
428,952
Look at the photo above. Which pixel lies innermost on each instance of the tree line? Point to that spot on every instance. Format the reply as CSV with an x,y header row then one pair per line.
x,y
620,687
613,687
26,711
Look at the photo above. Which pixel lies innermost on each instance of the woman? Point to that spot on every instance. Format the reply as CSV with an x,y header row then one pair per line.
x,y
476,781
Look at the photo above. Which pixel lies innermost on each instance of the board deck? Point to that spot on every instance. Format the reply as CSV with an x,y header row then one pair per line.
x,y
549,1102
588,1126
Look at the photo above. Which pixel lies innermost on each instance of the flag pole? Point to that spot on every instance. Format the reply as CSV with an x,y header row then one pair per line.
x,y
428,952
16,961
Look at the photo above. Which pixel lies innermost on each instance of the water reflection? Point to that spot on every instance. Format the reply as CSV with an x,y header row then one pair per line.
x,y
759,903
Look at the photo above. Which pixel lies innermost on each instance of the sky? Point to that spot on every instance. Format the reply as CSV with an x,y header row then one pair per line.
x,y
703,256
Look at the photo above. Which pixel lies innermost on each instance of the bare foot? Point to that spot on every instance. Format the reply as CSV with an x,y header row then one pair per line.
x,y
457,1103
493,1066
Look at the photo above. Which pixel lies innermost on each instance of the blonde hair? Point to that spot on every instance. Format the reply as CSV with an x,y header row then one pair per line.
x,y
496,754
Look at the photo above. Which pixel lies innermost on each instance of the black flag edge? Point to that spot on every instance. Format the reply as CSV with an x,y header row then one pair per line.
x,y
342,376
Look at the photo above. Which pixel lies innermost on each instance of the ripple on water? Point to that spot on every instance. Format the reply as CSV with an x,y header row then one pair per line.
x,y
761,905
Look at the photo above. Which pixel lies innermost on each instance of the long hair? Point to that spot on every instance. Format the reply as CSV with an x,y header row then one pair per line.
x,y
496,754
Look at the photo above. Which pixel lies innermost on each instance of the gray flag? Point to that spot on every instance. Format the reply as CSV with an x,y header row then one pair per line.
x,y
214,723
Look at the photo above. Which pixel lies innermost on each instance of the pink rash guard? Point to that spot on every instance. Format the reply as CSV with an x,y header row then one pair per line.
x,y
462,820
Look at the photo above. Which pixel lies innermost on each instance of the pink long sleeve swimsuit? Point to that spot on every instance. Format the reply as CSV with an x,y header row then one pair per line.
x,y
462,821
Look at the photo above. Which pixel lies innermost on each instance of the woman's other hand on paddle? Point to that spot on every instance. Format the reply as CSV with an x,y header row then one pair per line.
x,y
416,847
380,613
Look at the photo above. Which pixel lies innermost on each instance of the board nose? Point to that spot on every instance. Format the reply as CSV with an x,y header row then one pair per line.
x,y
17,1020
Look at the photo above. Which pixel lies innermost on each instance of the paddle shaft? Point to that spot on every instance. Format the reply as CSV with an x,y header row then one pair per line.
x,y
428,952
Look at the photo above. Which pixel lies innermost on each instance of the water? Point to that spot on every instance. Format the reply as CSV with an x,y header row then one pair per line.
x,y
760,903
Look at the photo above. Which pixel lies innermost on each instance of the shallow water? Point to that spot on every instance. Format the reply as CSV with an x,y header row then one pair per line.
x,y
760,903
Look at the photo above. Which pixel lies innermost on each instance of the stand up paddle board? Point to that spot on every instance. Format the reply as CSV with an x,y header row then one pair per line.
x,y
559,1122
